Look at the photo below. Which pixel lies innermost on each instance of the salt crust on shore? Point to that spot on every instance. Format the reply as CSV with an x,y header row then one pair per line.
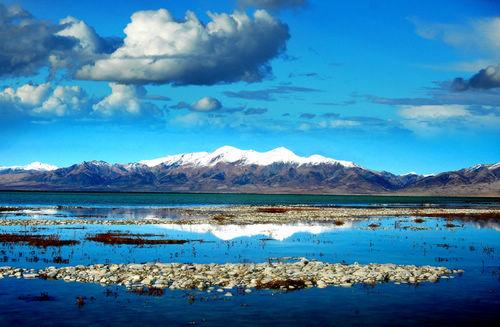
x,y
246,215
279,274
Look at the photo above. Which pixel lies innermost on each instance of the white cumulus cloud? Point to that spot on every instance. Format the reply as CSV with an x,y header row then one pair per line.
x,y
206,104
64,100
88,40
125,100
44,100
160,49
26,95
88,45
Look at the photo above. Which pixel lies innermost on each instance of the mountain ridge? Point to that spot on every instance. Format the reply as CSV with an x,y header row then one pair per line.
x,y
231,170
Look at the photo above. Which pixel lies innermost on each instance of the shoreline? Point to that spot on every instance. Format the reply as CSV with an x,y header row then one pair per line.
x,y
278,193
487,195
242,215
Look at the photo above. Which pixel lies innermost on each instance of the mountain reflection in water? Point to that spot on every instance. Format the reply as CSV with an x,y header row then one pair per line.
x,y
274,231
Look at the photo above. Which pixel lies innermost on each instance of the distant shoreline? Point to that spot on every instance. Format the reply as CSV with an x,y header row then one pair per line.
x,y
389,194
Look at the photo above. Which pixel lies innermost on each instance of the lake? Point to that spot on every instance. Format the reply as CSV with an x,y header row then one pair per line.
x,y
193,199
472,298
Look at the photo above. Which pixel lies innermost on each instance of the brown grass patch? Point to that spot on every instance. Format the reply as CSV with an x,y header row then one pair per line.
x,y
130,239
36,240
124,234
149,291
222,217
9,209
282,284
273,210
60,260
451,215
284,210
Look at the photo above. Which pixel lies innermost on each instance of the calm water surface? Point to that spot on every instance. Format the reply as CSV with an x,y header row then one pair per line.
x,y
183,199
470,299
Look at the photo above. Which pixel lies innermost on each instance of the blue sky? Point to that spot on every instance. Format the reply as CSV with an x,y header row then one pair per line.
x,y
390,85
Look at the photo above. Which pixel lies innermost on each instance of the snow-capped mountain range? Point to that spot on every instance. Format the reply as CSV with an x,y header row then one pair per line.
x,y
36,165
229,169
225,154
229,154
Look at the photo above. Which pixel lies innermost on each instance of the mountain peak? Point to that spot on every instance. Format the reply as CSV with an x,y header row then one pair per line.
x,y
96,163
230,154
281,151
35,165
226,148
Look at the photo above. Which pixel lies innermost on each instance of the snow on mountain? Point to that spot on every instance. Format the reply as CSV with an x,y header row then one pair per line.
x,y
32,166
494,166
98,163
488,166
229,154
481,166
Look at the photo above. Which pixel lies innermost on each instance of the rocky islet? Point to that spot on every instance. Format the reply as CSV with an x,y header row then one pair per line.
x,y
282,275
